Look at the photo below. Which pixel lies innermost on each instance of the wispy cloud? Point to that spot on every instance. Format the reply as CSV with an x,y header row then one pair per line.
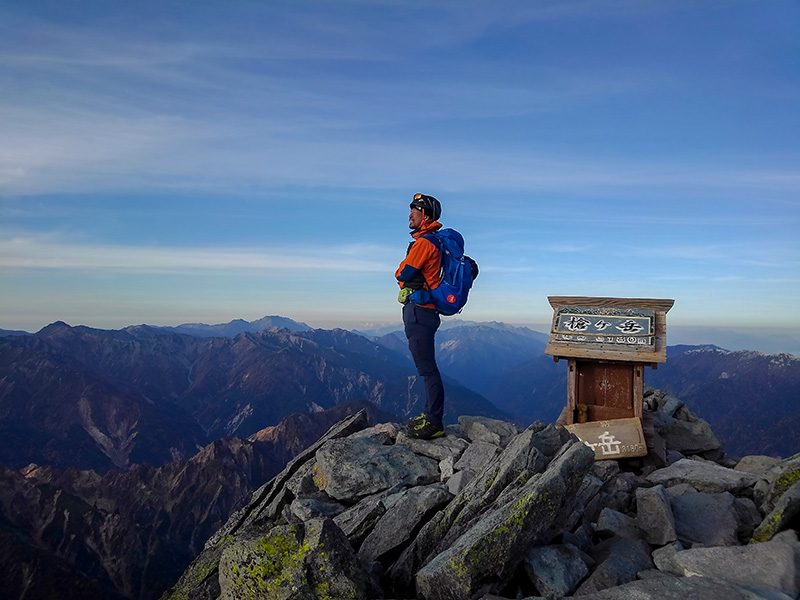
x,y
43,252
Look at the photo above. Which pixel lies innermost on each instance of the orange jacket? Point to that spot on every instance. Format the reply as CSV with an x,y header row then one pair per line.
x,y
421,268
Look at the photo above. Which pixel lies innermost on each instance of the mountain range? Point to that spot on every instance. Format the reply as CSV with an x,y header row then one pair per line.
x,y
109,399
124,450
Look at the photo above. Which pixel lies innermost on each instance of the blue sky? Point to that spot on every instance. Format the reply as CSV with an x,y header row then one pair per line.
x,y
165,162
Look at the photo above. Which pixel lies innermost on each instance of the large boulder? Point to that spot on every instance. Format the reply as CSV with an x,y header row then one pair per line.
x,y
489,552
654,515
349,469
293,563
704,476
557,570
675,588
769,566
395,528
702,518
619,560
484,429
785,512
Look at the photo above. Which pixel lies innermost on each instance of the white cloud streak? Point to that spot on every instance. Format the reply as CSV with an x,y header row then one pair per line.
x,y
44,253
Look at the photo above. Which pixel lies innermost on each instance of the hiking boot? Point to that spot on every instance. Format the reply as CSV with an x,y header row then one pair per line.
x,y
420,418
424,429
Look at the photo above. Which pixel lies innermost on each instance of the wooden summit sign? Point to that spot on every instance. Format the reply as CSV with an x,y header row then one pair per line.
x,y
628,329
608,342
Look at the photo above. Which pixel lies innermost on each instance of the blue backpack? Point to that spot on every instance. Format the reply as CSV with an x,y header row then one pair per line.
x,y
458,273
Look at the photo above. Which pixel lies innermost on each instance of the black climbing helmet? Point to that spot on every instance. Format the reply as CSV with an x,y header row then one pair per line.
x,y
429,204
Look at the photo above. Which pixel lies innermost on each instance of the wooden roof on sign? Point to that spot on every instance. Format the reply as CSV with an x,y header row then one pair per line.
x,y
599,317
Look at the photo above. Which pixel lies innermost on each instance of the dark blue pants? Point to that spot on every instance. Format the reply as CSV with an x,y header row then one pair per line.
x,y
421,325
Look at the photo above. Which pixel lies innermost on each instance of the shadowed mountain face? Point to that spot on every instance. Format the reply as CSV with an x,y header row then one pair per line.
x,y
100,399
752,400
77,534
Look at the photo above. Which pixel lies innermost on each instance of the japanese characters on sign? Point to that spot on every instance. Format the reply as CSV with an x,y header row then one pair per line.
x,y
619,327
619,438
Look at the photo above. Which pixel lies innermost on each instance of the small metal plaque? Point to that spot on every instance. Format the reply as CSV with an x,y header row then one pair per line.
x,y
618,438
587,325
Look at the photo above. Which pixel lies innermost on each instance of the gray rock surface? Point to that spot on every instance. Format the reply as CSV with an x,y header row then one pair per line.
x,y
770,565
357,521
395,528
615,523
484,429
349,469
757,464
675,588
654,515
438,449
320,505
707,519
703,476
263,500
686,437
662,557
785,512
495,545
290,563
476,456
557,570
623,559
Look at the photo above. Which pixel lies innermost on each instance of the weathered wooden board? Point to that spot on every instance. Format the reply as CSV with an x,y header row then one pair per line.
x,y
625,329
617,438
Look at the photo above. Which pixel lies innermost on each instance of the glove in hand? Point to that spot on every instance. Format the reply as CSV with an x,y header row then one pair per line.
x,y
404,294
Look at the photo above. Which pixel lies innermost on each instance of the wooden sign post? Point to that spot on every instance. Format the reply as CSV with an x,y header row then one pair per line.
x,y
608,342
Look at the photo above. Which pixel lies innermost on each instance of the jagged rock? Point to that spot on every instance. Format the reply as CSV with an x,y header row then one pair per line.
x,y
263,500
619,562
395,528
676,588
476,456
484,429
302,482
670,405
446,468
786,511
776,481
590,486
353,468
357,521
437,449
606,469
385,433
757,464
555,570
459,481
491,549
749,518
673,456
703,518
687,437
519,459
703,476
614,523
662,557
581,538
314,507
770,565
654,515
293,563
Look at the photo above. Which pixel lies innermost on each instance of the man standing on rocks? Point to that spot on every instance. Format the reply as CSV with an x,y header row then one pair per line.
x,y
421,270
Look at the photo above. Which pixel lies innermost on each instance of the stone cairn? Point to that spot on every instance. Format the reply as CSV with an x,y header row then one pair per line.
x,y
491,512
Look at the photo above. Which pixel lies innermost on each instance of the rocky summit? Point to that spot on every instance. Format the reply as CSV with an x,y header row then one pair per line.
x,y
491,512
